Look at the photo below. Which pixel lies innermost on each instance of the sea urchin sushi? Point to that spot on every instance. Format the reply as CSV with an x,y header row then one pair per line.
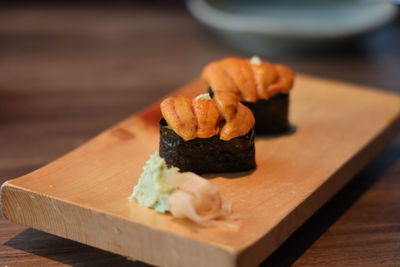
x,y
261,86
196,136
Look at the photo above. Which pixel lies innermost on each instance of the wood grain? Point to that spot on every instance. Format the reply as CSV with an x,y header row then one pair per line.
x,y
68,72
84,193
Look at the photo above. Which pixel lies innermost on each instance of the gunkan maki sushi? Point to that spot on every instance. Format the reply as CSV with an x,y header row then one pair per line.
x,y
196,136
261,86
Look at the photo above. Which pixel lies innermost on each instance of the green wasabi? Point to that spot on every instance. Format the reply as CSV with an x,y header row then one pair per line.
x,y
205,96
153,189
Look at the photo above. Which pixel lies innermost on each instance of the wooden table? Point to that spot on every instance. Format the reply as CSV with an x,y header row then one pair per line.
x,y
66,73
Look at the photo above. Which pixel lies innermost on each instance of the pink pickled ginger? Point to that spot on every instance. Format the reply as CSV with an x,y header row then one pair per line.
x,y
199,200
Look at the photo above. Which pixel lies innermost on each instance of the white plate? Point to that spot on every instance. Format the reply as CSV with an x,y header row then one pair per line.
x,y
262,25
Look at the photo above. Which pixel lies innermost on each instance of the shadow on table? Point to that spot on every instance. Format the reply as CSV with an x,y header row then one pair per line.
x,y
67,251
76,254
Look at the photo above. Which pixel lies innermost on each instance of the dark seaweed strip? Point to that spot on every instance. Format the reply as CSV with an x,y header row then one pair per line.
x,y
271,115
207,155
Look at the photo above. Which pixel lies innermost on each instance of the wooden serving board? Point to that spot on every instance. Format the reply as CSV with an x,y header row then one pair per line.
x,y
83,195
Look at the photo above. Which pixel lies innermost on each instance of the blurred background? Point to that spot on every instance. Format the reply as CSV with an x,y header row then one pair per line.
x,y
71,69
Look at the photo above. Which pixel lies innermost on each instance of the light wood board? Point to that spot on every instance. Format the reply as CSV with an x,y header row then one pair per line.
x,y
83,195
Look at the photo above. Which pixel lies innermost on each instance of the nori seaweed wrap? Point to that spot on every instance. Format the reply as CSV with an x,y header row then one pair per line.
x,y
207,155
271,114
